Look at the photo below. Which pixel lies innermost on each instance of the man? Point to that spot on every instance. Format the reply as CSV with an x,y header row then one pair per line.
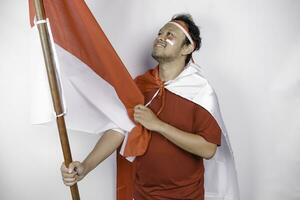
x,y
182,131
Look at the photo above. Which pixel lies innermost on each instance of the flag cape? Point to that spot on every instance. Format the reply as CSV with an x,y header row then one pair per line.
x,y
99,93
220,177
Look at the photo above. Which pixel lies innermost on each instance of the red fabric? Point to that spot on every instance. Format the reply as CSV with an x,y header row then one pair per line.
x,y
166,171
125,178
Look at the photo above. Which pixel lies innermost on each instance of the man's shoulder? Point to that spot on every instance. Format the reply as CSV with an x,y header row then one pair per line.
x,y
144,75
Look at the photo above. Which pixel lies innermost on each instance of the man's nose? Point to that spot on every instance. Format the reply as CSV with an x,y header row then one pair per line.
x,y
161,37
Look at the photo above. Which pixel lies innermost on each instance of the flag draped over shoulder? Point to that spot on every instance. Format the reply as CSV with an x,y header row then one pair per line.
x,y
80,41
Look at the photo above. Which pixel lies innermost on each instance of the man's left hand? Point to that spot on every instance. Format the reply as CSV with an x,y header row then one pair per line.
x,y
146,117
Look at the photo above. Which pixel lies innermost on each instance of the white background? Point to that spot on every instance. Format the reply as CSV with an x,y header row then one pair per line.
x,y
250,53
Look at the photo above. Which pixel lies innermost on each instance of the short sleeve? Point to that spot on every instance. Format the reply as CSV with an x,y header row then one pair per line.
x,y
206,126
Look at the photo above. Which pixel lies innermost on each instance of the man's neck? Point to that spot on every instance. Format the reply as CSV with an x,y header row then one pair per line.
x,y
170,70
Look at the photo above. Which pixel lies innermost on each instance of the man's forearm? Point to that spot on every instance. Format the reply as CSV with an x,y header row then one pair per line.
x,y
192,143
106,145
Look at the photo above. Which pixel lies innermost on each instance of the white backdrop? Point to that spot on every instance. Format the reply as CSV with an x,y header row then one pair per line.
x,y
250,53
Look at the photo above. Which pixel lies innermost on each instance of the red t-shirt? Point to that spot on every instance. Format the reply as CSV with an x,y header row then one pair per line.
x,y
166,171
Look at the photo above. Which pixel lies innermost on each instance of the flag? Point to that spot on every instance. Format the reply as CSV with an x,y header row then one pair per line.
x,y
93,70
97,91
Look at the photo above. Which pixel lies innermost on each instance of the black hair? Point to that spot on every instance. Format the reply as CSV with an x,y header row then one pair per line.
x,y
193,31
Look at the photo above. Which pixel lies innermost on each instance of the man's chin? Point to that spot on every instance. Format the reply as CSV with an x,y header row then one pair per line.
x,y
161,59
154,56
157,56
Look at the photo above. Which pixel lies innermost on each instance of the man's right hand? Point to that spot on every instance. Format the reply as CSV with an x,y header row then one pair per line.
x,y
105,146
73,174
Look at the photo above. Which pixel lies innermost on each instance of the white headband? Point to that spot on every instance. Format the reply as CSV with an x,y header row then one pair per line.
x,y
184,31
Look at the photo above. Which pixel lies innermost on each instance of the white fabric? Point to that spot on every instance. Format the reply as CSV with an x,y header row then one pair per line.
x,y
220,172
91,103
42,90
40,22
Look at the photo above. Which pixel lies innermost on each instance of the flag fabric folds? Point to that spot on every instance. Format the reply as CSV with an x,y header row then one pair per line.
x,y
99,92
77,34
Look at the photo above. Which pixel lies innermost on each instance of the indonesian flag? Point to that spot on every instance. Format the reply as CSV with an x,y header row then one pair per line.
x,y
97,91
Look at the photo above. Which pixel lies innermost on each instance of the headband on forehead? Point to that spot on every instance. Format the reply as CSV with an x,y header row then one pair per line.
x,y
183,28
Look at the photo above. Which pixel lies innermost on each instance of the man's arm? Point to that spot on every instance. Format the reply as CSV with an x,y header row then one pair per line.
x,y
105,146
190,142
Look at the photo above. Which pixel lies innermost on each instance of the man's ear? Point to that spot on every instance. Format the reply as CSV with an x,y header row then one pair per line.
x,y
187,49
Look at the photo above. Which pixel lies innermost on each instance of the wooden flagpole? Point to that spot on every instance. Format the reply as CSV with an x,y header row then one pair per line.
x,y
50,65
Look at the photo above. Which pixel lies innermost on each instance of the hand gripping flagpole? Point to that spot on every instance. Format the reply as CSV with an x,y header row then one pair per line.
x,y
54,86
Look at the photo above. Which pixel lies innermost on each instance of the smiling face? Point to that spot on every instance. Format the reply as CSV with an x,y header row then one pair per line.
x,y
169,44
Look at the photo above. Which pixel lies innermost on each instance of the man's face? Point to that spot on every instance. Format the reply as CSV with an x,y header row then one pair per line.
x,y
168,43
